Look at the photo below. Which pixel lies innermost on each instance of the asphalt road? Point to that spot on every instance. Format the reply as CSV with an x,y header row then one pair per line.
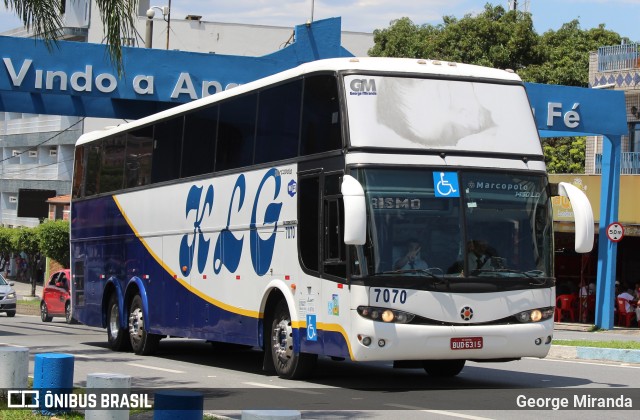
x,y
234,380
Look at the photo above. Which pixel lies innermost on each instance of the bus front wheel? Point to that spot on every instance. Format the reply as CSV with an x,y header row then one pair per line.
x,y
117,337
443,368
142,342
288,364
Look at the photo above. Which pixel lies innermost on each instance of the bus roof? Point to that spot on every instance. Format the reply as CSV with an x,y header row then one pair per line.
x,y
369,64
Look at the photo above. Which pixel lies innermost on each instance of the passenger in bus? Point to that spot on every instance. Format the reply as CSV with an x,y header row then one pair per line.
x,y
478,257
412,259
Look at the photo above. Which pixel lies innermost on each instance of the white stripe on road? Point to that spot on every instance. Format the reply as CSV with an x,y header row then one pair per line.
x,y
300,391
155,368
613,363
443,413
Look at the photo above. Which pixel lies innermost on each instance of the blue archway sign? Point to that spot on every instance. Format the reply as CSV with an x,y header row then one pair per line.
x,y
571,111
77,78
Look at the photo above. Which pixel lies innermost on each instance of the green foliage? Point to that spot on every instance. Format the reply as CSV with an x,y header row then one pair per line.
x,y
7,243
563,55
53,240
26,240
564,155
501,39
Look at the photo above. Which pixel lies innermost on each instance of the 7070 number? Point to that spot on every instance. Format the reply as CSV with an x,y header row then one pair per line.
x,y
390,295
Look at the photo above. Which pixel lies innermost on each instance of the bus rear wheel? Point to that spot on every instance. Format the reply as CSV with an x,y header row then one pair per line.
x,y
142,342
443,368
117,337
288,364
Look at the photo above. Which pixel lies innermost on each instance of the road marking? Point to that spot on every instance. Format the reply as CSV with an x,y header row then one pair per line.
x,y
263,385
155,368
610,364
300,391
84,356
444,413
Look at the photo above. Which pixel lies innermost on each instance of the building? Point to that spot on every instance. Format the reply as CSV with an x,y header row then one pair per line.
x,y
617,68
36,151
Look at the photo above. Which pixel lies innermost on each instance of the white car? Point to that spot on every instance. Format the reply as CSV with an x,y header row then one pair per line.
x,y
7,297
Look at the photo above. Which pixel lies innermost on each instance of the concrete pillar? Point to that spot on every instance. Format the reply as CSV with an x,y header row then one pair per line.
x,y
14,367
100,383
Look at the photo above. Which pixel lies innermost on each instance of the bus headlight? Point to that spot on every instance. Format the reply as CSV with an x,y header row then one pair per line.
x,y
535,315
385,315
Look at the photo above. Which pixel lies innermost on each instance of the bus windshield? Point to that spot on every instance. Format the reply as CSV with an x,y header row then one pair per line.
x,y
485,226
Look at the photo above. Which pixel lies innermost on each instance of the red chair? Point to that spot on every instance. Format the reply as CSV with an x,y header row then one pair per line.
x,y
624,317
566,304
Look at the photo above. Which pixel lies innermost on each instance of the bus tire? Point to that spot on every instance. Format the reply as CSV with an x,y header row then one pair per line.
x,y
142,342
288,364
44,312
117,337
443,368
67,314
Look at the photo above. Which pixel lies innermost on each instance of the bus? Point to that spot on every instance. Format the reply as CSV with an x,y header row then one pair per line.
x,y
276,215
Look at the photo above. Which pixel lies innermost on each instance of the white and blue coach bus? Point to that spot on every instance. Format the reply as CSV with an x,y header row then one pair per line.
x,y
276,214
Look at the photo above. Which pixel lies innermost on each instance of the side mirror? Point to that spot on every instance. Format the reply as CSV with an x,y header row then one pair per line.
x,y
582,213
355,213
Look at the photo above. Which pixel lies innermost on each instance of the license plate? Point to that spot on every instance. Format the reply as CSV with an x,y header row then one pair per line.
x,y
466,343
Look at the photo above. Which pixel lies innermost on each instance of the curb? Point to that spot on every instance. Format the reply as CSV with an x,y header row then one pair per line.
x,y
594,353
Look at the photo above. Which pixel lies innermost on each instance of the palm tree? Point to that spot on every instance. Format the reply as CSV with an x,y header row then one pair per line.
x,y
43,16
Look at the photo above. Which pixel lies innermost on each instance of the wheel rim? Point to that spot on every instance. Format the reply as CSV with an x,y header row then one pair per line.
x,y
114,324
43,310
67,312
283,341
136,325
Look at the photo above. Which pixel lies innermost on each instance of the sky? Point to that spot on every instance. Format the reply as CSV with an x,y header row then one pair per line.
x,y
620,16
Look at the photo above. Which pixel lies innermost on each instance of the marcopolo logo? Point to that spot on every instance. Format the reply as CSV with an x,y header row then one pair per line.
x,y
363,87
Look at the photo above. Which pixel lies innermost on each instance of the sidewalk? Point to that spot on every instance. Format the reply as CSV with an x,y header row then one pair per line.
x,y
566,331
23,289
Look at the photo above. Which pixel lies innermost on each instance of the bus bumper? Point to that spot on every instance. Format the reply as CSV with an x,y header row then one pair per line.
x,y
431,342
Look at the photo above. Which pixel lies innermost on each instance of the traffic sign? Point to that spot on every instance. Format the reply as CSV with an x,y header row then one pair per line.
x,y
615,232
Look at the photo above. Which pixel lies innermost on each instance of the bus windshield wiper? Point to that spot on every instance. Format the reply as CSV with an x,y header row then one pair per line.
x,y
532,274
429,272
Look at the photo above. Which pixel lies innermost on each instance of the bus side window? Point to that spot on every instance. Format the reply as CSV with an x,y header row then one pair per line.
x,y
199,147
79,167
93,169
278,122
167,146
309,221
320,115
236,132
138,160
111,176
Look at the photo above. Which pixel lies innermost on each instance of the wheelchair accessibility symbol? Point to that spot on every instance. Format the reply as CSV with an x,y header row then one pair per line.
x,y
446,184
312,334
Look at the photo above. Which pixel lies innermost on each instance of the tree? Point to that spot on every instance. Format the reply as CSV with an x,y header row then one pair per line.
x,y
494,38
53,238
563,55
501,39
6,244
43,16
564,155
26,240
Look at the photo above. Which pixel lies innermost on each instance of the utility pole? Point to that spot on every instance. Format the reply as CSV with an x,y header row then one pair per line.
x,y
168,24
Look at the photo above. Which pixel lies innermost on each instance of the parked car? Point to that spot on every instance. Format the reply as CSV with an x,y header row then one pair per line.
x,y
56,297
7,297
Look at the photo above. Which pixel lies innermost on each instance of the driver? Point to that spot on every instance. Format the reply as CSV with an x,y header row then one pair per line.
x,y
411,260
